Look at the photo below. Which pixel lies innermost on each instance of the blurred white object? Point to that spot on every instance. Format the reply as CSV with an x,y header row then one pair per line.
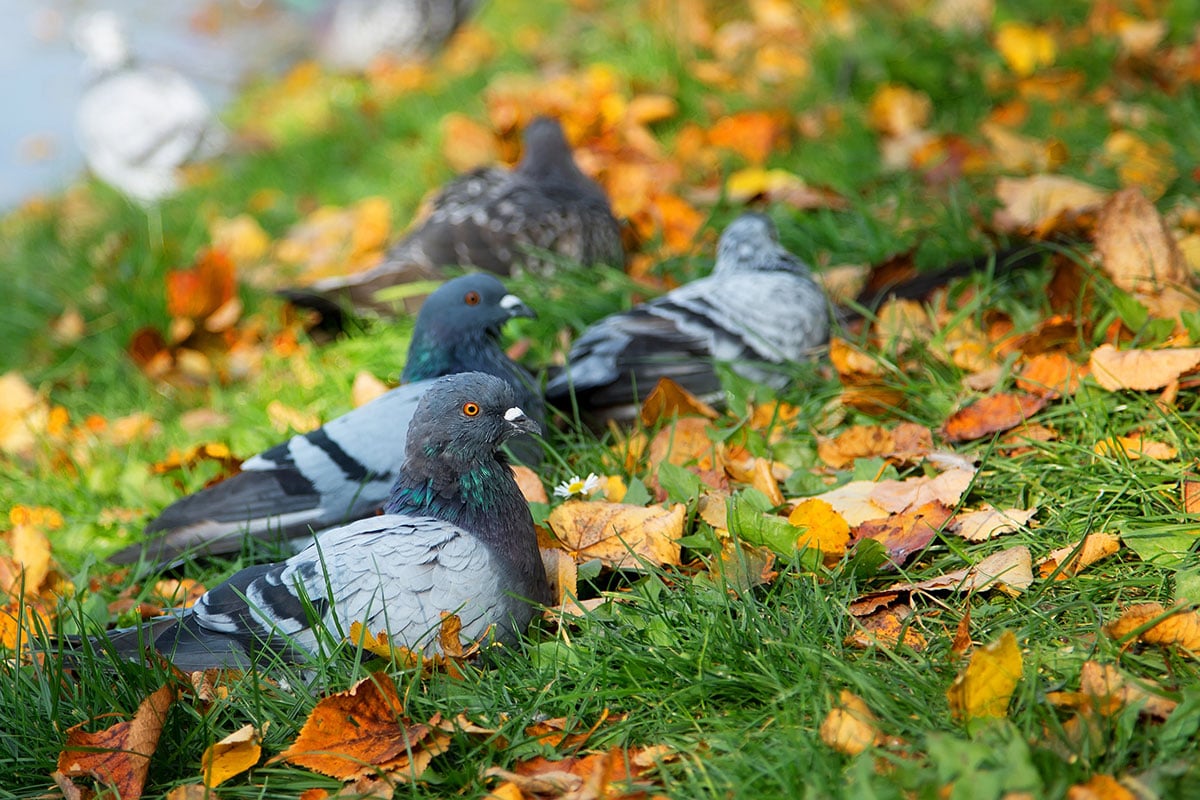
x,y
363,30
137,124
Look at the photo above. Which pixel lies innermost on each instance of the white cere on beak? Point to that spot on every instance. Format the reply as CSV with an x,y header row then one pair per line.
x,y
510,301
513,413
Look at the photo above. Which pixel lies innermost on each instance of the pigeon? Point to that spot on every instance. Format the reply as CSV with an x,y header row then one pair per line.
x,y
456,536
342,471
137,125
758,310
496,220
360,31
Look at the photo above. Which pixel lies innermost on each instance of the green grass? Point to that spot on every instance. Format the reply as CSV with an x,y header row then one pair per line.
x,y
738,685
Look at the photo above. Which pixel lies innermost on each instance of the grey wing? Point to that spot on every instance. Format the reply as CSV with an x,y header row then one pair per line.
x,y
341,471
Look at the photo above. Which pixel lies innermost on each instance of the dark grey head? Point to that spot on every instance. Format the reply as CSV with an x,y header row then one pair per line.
x,y
546,154
470,303
463,419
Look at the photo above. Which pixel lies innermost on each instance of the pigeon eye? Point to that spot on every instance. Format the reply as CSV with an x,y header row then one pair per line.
x,y
471,409
472,298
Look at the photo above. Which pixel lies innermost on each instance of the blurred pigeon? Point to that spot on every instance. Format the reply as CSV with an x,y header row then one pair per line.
x,y
456,536
758,310
497,220
343,470
361,31
137,124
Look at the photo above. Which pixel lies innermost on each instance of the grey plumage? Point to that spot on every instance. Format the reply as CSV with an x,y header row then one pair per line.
x,y
343,470
759,309
496,220
361,31
457,537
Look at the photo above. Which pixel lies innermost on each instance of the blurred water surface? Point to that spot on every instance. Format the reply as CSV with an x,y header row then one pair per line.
x,y
219,44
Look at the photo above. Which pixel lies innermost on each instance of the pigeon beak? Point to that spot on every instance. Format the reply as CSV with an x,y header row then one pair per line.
x,y
520,423
516,307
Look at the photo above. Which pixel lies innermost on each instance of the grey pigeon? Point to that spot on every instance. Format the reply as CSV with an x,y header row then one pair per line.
x,y
759,309
456,537
496,220
137,125
361,31
343,470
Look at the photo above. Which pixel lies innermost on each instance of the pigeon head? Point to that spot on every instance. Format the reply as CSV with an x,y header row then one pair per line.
x,y
458,325
751,244
546,155
461,422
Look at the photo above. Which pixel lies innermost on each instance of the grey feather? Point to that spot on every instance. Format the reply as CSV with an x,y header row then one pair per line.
x,y
758,309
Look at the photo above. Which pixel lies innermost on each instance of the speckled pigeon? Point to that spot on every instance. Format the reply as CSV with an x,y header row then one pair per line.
x,y
361,31
497,220
137,125
759,309
343,470
456,536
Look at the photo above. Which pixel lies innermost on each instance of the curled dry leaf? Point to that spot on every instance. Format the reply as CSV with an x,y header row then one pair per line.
x,y
362,731
985,686
850,727
1136,248
1008,570
989,522
1052,374
907,533
118,757
530,484
1177,626
887,627
621,536
992,414
1104,691
1039,203
668,399
233,755
1141,370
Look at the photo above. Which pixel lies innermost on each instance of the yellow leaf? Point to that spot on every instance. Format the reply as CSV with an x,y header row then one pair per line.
x,y
1025,48
850,727
897,110
23,415
31,550
241,238
233,755
1180,627
825,529
619,535
1135,447
1149,165
984,688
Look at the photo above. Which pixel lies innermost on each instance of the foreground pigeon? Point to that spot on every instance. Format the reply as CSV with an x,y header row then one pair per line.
x,y
497,220
759,309
456,537
137,125
343,470
361,31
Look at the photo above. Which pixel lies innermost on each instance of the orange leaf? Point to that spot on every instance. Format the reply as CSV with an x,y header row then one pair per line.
x,y
850,727
751,134
196,292
1100,787
621,536
668,399
897,110
859,441
1181,628
1141,370
903,535
1050,374
992,414
887,628
985,686
684,442
530,484
1135,447
118,756
362,730
466,144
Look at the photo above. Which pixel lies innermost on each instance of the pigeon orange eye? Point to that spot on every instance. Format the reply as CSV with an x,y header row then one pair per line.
x,y
472,298
471,409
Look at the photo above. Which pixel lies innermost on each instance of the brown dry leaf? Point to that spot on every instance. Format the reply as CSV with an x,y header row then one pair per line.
x,y
565,734
985,686
178,592
23,415
991,414
1190,488
191,791
1009,570
859,441
1016,153
1100,787
530,484
621,536
366,388
1180,628
1135,246
897,110
362,731
946,488
824,529
1104,691
850,727
200,290
613,775
233,755
683,442
118,757
1141,370
989,522
742,566
903,535
211,451
1135,447
1037,203
848,359
887,628
668,399
1024,48
1050,374
563,574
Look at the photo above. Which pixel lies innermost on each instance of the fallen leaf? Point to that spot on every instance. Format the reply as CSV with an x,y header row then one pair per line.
x,y
905,534
685,441
1050,374
991,414
946,488
118,757
858,441
897,110
825,530
751,134
1100,787
530,484
366,388
989,522
621,536
887,627
1135,247
1025,48
362,731
1177,626
985,686
850,727
1037,203
466,144
1135,447
1104,691
1141,370
1009,570
1141,165
31,552
668,399
200,290
233,755
23,415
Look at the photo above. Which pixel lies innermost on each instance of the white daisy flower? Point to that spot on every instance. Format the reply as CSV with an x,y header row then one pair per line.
x,y
577,486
